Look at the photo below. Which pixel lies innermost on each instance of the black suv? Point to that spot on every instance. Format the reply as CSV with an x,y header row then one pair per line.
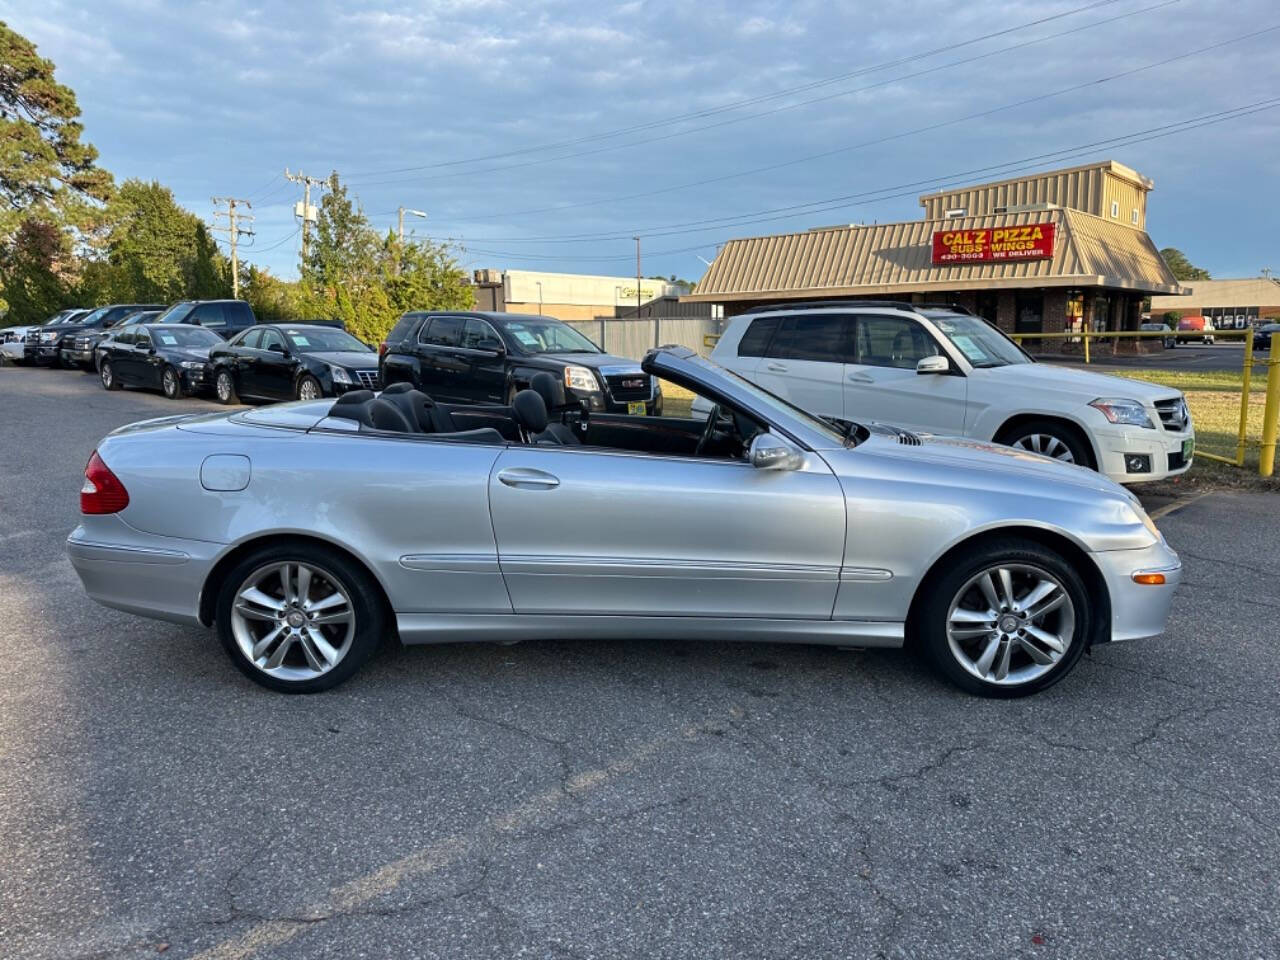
x,y
55,342
226,318
475,357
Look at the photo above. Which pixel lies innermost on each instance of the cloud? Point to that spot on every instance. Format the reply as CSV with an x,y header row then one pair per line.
x,y
464,107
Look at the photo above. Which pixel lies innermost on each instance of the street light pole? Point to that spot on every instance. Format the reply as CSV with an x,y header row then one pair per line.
x,y
539,283
637,240
400,230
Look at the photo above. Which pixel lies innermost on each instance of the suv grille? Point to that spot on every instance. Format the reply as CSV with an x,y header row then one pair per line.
x,y
368,379
1173,414
629,386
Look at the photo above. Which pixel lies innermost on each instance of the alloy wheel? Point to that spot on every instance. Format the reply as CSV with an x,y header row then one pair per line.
x,y
106,375
223,387
293,621
308,390
1045,444
170,384
1010,624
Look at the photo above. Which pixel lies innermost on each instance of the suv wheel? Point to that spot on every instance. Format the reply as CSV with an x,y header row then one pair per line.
x,y
1049,439
1009,620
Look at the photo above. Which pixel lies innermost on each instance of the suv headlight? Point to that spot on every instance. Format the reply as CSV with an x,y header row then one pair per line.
x,y
340,375
1129,412
582,379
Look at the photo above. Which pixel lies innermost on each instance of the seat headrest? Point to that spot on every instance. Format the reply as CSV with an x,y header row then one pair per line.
x,y
403,386
549,388
385,415
414,405
353,396
530,411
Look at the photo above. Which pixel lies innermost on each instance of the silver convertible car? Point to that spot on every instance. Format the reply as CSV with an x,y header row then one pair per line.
x,y
305,533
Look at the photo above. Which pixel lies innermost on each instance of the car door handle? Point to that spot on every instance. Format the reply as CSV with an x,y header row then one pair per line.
x,y
861,378
527,478
776,367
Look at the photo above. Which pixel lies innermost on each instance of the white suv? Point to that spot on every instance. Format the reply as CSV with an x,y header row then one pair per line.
x,y
942,371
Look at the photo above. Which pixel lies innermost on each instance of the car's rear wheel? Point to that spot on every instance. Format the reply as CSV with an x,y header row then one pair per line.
x,y
171,383
299,618
309,388
1009,620
224,387
1049,439
108,375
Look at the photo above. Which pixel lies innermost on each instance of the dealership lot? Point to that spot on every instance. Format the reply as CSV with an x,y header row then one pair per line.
x,y
619,799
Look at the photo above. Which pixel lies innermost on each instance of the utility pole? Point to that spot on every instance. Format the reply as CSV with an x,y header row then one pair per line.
x,y
637,240
400,230
305,210
234,231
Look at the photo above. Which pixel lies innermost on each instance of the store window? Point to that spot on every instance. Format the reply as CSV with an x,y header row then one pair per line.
x,y
1028,316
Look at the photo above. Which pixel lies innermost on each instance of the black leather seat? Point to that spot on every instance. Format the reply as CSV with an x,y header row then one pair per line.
x,y
531,414
372,413
557,431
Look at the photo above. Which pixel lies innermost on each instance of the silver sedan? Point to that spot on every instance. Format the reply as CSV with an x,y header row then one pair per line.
x,y
305,533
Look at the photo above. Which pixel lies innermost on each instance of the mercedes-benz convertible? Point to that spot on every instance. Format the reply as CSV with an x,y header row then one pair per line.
x,y
305,533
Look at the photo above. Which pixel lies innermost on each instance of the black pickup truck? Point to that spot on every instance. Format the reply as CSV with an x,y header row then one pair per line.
x,y
461,356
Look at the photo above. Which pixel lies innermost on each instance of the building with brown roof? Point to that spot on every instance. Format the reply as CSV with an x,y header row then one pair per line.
x,y
1050,253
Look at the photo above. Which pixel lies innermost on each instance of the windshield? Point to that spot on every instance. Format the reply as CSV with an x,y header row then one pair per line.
x,y
980,343
544,335
185,336
177,313
93,318
313,339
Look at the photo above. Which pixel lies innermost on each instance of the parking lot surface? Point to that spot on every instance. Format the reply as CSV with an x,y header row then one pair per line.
x,y
619,799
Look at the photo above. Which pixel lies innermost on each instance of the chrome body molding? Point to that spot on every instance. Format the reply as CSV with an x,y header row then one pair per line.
x,y
866,574
418,628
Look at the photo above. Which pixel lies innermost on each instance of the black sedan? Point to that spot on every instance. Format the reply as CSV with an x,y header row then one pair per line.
x,y
1262,336
291,361
170,359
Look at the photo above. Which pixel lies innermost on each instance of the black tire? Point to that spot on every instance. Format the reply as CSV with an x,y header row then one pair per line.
x,y
305,381
108,376
224,387
367,605
1024,436
171,383
928,625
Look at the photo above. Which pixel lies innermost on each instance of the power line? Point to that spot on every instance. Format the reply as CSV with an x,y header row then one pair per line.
x,y
904,189
296,231
749,101
858,146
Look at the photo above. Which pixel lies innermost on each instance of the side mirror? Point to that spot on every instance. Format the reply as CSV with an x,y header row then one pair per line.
x,y
277,348
770,452
935,364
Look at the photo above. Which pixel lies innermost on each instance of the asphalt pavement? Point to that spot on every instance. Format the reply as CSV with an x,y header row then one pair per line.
x,y
638,799
1193,357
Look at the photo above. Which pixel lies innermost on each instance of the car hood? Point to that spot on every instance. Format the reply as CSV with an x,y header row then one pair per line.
x,y
998,466
1085,384
595,361
188,353
351,359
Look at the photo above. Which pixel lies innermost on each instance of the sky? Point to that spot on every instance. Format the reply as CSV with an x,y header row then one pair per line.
x,y
545,134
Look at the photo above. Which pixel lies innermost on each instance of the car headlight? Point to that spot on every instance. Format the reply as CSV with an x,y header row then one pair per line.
x,y
1129,412
1144,518
340,375
192,365
580,378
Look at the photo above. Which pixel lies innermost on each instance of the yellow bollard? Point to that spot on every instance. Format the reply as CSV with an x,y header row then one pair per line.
x,y
1244,397
1085,337
1270,414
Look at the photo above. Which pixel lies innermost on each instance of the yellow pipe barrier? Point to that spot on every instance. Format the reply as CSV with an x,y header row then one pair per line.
x,y
1244,398
1271,414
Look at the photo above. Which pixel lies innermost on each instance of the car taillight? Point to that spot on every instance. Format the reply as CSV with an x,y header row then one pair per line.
x,y
102,491
382,349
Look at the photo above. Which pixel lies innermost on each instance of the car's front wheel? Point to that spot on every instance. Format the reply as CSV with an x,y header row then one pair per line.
x,y
299,618
108,375
171,383
1049,439
1009,620
224,387
308,388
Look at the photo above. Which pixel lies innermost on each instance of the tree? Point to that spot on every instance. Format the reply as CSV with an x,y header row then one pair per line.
x,y
45,169
1181,267
1171,318
157,252
353,274
34,287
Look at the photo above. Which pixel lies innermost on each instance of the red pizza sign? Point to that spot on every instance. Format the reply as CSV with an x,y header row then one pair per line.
x,y
1034,241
